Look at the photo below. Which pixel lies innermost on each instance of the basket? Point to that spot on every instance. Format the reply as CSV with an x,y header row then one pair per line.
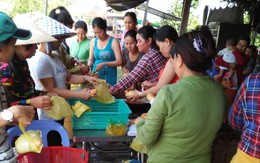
x,y
101,114
55,154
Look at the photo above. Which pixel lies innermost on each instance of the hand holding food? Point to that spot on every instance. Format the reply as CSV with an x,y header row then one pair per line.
x,y
43,102
129,93
133,94
93,92
91,79
150,97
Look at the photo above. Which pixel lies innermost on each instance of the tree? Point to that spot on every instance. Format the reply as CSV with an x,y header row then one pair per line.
x,y
176,10
24,6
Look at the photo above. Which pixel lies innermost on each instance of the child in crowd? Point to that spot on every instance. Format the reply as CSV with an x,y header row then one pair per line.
x,y
251,53
228,56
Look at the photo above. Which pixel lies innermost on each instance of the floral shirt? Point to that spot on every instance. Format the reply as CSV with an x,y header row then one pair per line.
x,y
6,151
15,76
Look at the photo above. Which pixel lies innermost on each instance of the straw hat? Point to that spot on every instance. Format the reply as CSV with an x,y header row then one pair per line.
x,y
49,25
38,35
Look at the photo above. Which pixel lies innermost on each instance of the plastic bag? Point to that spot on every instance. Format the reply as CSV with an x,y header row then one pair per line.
x,y
103,94
138,146
29,141
60,108
79,108
116,128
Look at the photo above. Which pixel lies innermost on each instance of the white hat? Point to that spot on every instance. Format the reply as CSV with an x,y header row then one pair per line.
x,y
49,25
38,35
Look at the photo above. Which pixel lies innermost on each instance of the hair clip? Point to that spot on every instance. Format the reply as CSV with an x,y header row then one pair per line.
x,y
57,11
197,44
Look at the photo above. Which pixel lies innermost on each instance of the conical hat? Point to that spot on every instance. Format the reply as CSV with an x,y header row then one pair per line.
x,y
38,35
49,25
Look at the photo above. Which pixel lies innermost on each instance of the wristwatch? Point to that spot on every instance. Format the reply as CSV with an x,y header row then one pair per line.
x,y
7,115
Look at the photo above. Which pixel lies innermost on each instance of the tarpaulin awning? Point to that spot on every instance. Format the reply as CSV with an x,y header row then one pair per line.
x,y
159,13
121,5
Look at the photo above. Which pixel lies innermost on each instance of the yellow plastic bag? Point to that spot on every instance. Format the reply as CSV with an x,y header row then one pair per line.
x,y
29,141
103,94
60,108
138,146
116,128
79,108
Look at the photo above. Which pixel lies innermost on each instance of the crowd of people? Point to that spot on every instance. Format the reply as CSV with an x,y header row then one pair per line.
x,y
189,106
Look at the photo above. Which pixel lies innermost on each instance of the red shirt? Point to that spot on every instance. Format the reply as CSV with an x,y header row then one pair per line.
x,y
174,80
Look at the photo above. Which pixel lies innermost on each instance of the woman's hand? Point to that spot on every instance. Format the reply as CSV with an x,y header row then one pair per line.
x,y
23,114
84,69
91,79
108,85
133,95
43,102
99,66
147,85
50,94
85,94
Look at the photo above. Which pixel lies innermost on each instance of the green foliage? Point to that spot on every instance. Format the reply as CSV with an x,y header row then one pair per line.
x,y
176,10
24,6
195,3
255,39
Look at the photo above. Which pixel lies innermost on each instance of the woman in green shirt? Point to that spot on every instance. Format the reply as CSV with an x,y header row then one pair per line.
x,y
185,117
79,49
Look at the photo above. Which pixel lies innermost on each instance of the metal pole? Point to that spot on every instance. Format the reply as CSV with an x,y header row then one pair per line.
x,y
45,6
145,12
